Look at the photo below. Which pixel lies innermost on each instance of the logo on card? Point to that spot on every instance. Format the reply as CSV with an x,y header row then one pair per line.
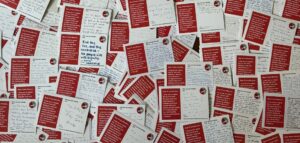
x,y
165,41
105,13
3,95
253,121
101,80
150,137
225,69
292,26
207,67
13,13
42,137
243,47
202,91
140,110
84,105
102,39
217,3
256,95
52,61
32,104
224,121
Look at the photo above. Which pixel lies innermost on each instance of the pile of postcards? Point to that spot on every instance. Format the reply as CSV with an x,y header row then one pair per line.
x,y
150,71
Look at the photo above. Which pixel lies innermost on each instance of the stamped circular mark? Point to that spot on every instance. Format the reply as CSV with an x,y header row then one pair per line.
x,y
3,95
105,13
166,41
202,91
217,3
32,104
225,70
253,121
140,110
150,137
101,80
13,13
243,47
256,95
84,105
42,137
52,61
292,25
207,67
102,39
224,121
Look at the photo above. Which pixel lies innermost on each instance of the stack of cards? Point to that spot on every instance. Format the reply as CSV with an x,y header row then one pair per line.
x,y
150,71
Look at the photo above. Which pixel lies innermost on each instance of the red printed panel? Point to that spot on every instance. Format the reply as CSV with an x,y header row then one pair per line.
x,y
272,139
291,138
212,54
239,138
7,137
77,2
143,87
194,133
253,47
136,58
179,51
119,35
263,131
69,49
245,21
159,83
52,79
168,125
27,42
212,37
4,112
296,41
271,83
258,27
53,135
166,137
10,3
187,20
133,101
138,13
126,83
72,19
245,65
163,31
123,3
280,58
3,42
176,75
274,112
20,71
116,130
110,58
49,111
250,83
171,107
109,98
26,92
292,10
88,70
104,112
20,20
235,7
224,98
68,83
